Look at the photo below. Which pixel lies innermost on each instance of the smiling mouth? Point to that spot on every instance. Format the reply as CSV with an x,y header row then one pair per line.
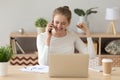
x,y
58,29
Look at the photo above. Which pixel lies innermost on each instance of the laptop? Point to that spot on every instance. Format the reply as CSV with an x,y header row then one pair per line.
x,y
68,65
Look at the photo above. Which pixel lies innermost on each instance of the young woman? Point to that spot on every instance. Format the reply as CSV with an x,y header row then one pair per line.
x,y
58,39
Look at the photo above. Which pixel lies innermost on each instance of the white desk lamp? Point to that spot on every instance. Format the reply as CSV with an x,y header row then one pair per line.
x,y
112,14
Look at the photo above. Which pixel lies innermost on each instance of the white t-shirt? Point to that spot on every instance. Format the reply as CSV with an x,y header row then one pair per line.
x,y
66,45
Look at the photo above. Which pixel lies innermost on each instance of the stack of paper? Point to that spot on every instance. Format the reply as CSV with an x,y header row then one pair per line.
x,y
36,68
98,68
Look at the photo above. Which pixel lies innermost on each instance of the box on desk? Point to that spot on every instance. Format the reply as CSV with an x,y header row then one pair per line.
x,y
24,59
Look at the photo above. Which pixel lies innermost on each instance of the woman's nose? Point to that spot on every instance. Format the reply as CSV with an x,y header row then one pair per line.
x,y
59,25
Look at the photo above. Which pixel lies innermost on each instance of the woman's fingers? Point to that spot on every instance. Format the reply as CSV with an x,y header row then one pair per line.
x,y
82,26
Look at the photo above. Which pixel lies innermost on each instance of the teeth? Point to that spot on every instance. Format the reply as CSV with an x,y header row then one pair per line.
x,y
58,28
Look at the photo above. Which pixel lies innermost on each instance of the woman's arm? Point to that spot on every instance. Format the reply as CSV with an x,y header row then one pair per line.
x,y
43,49
85,48
43,43
89,47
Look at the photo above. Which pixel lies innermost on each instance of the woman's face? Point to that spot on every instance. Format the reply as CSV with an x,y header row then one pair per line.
x,y
60,22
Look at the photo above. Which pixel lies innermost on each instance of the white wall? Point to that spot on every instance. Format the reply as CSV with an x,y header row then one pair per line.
x,y
16,14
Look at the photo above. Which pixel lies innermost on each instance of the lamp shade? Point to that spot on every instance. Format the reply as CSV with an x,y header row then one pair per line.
x,y
112,13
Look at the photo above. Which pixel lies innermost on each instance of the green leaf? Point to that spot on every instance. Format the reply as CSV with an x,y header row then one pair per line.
x,y
89,11
79,12
6,53
41,22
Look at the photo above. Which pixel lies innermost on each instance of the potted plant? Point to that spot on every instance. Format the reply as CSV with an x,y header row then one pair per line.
x,y
6,53
40,24
81,12
84,14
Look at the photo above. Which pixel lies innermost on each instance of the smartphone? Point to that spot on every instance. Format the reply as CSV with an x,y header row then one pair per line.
x,y
50,31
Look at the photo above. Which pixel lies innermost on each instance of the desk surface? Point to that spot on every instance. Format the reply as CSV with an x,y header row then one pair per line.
x,y
15,74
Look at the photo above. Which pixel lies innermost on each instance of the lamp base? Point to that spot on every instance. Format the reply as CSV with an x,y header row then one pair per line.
x,y
113,28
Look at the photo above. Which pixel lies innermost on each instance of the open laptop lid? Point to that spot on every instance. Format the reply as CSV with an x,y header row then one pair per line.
x,y
68,65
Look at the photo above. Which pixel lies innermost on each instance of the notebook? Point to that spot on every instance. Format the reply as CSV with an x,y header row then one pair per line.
x,y
68,65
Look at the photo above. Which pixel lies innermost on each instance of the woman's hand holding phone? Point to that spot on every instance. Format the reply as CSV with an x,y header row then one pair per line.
x,y
49,33
49,28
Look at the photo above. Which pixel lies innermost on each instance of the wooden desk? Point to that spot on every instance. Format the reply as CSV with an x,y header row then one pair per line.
x,y
15,74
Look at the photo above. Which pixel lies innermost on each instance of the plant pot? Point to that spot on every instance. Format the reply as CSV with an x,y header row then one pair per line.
x,y
40,30
3,68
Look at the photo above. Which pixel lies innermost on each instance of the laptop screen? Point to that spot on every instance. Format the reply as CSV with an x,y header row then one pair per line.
x,y
68,65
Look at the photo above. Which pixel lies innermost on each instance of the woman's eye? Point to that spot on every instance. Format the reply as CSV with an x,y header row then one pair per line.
x,y
63,23
57,22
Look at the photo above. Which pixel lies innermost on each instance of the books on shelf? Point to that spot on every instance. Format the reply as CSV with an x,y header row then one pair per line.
x,y
14,44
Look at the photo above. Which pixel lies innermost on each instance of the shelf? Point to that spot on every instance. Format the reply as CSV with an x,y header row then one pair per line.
x,y
21,43
26,34
102,40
